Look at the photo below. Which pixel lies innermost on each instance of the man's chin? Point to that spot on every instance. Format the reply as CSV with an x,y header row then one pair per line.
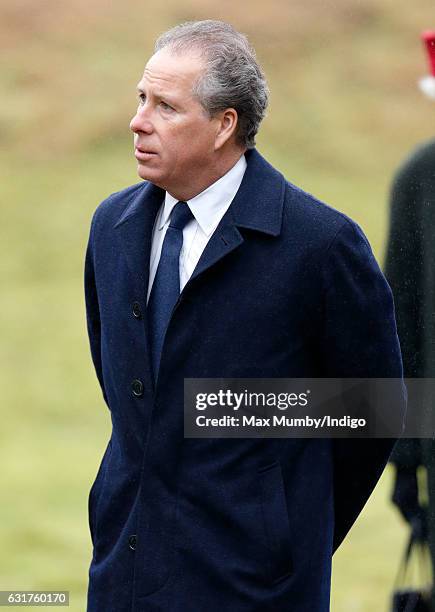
x,y
145,172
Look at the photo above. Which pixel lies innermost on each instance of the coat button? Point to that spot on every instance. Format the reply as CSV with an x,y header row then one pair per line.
x,y
137,387
137,311
132,542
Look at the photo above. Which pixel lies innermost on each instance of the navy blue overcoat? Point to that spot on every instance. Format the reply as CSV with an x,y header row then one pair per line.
x,y
286,287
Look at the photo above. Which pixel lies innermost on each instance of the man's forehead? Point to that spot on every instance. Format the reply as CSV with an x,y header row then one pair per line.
x,y
166,67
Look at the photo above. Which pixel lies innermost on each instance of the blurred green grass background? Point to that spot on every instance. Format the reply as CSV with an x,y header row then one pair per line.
x,y
344,112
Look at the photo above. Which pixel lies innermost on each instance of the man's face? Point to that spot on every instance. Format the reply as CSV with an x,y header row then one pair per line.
x,y
173,136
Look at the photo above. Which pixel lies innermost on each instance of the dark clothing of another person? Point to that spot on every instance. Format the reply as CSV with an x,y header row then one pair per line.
x,y
410,270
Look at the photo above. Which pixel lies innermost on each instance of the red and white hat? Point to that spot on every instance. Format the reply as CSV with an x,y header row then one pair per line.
x,y
427,83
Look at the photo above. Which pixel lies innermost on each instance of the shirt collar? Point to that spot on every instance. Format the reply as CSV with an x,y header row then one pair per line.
x,y
209,206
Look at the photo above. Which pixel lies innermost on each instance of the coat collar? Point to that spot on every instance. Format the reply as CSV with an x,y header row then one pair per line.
x,y
144,203
257,205
259,202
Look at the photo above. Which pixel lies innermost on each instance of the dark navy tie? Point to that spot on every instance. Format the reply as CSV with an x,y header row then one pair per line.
x,y
166,286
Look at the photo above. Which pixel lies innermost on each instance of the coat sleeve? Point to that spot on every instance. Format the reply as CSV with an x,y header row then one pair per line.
x,y
92,310
359,341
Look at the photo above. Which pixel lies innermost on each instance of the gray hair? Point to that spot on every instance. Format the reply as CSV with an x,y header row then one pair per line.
x,y
232,77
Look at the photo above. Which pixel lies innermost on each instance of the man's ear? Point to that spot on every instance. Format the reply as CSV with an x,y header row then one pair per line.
x,y
227,125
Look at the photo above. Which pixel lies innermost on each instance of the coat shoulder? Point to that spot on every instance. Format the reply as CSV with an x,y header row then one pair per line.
x,y
112,207
416,174
317,221
423,156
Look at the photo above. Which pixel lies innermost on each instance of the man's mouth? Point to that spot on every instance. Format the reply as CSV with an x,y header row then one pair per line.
x,y
143,154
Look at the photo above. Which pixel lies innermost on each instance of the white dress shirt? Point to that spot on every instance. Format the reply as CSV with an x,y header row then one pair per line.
x,y
208,208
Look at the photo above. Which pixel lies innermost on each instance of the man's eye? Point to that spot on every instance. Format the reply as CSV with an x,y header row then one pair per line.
x,y
166,106
141,98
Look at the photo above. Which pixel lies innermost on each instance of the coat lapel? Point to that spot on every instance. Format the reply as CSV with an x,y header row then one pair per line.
x,y
134,232
225,239
258,205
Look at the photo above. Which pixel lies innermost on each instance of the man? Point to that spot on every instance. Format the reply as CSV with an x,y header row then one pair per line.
x,y
215,267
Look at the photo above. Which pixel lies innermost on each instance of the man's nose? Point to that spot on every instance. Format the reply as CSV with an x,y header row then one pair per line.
x,y
141,122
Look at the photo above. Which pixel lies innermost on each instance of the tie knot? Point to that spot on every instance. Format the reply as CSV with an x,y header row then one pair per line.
x,y
181,214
